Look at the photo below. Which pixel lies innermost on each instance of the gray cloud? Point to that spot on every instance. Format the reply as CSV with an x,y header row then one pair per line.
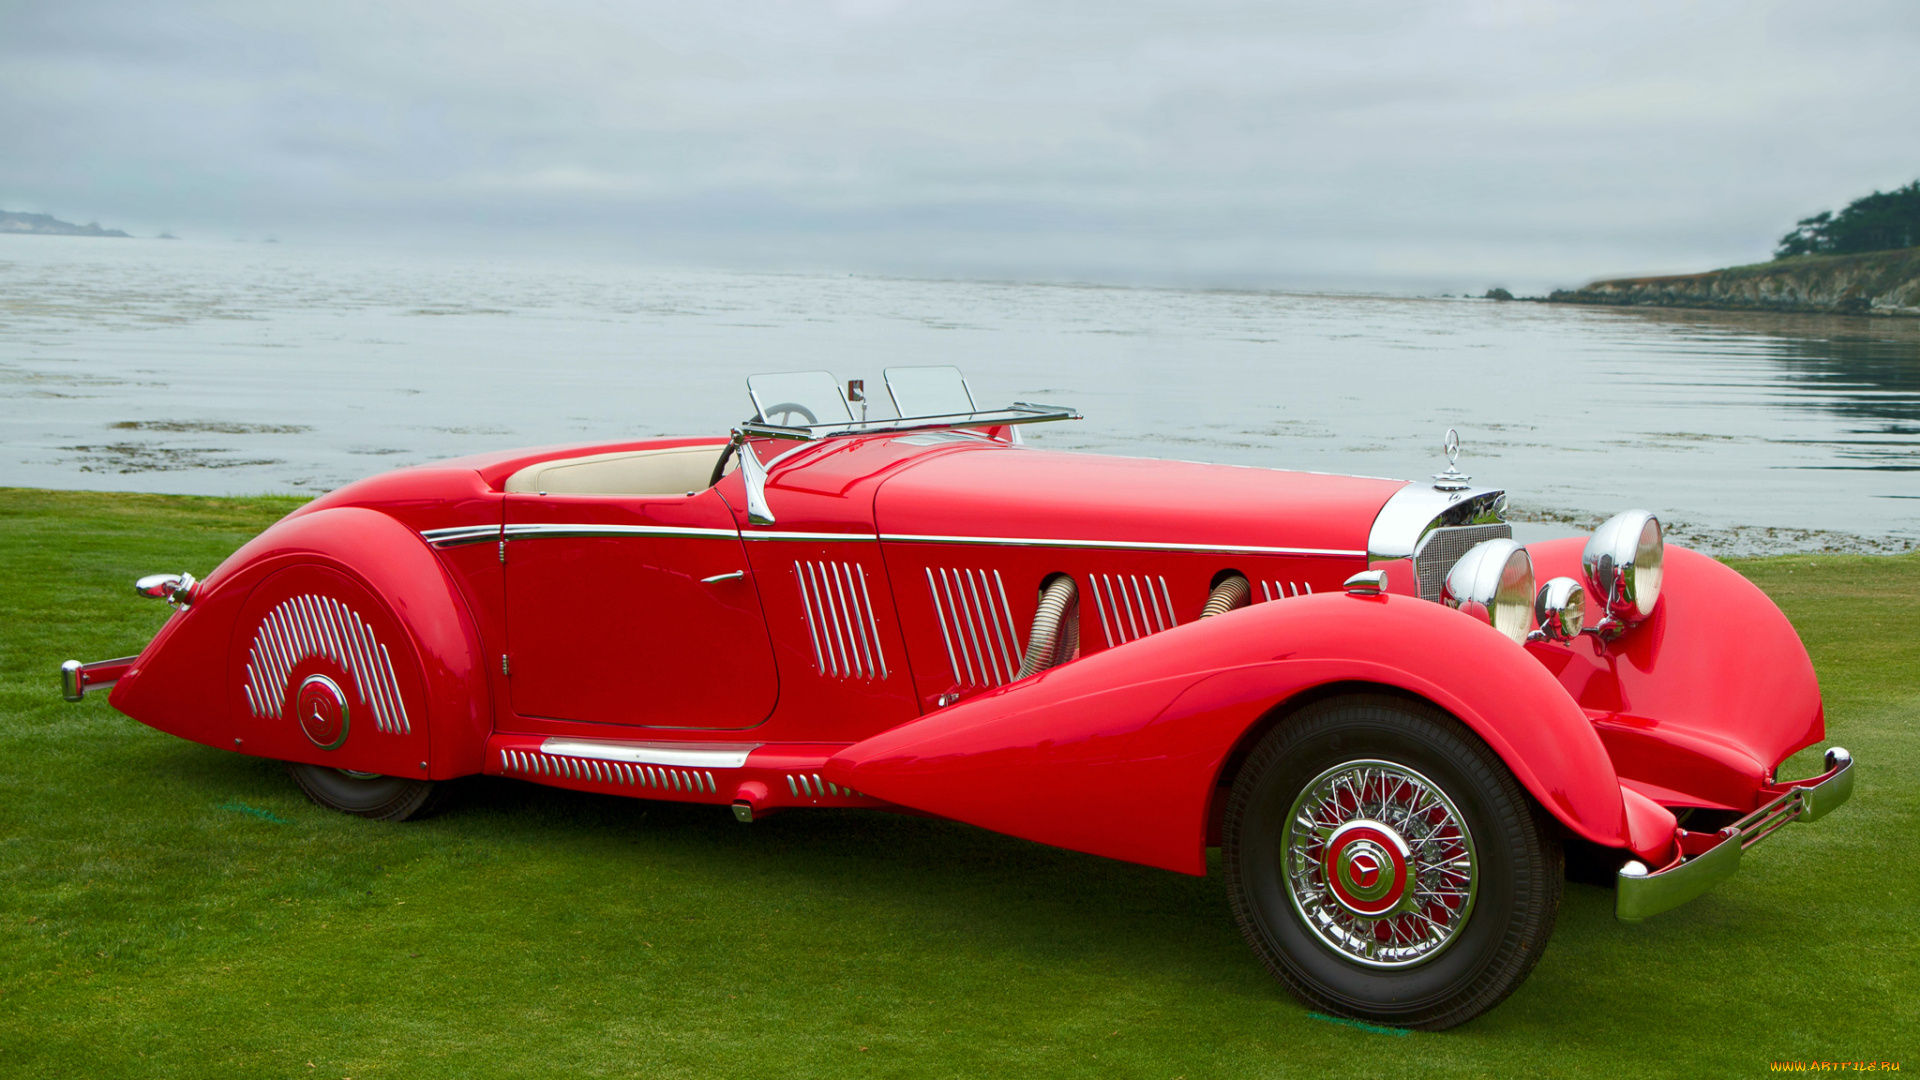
x,y
1387,143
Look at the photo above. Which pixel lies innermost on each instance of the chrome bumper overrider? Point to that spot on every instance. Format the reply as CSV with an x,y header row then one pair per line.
x,y
77,678
1706,859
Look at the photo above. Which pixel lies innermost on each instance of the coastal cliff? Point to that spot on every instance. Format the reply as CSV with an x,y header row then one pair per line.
x,y
1874,283
48,225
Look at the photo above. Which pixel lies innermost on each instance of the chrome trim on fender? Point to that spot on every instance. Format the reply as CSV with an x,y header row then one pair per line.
x,y
309,625
1366,583
687,755
552,532
1641,892
460,534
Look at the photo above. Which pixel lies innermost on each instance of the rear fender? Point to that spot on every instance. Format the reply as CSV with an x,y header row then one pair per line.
x,y
1119,754
349,593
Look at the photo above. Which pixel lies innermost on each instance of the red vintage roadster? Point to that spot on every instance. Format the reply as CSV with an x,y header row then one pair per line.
x,y
1353,686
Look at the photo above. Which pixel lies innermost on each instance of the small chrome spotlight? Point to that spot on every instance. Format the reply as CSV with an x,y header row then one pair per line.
x,y
1560,607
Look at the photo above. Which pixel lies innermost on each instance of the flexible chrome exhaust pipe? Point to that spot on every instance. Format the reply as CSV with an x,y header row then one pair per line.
x,y
1054,626
1232,593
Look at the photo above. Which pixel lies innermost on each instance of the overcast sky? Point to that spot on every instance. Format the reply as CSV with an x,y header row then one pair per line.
x,y
1374,144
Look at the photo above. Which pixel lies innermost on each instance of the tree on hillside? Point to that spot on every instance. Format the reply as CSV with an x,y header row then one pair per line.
x,y
1876,222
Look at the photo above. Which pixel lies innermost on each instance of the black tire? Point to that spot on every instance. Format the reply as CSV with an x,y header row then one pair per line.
x,y
1494,923
382,798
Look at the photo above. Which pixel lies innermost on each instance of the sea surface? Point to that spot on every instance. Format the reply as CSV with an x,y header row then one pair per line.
x,y
239,368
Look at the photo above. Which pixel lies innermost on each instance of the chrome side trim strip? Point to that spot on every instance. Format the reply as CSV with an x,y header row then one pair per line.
x,y
460,534
811,537
1124,545
537,532
689,755
533,531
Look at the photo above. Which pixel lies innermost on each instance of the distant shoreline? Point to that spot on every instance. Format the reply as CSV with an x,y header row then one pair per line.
x,y
48,225
1883,283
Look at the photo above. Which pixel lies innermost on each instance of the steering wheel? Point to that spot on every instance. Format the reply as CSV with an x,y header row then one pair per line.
x,y
783,413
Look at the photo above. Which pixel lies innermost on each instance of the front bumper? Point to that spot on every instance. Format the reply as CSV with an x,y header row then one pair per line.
x,y
1703,860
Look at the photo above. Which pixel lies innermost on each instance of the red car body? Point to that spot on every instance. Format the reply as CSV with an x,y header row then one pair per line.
x,y
483,615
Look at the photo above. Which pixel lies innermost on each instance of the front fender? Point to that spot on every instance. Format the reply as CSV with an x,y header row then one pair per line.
x,y
1119,754
193,679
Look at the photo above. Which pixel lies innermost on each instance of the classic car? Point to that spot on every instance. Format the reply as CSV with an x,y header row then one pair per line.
x,y
1393,720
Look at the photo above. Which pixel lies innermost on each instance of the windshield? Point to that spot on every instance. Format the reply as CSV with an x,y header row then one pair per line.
x,y
799,399
929,391
809,405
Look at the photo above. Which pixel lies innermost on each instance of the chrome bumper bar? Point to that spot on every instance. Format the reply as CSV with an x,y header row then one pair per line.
x,y
77,678
1706,859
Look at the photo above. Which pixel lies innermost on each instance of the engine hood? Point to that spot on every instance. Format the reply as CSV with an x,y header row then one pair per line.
x,y
1019,493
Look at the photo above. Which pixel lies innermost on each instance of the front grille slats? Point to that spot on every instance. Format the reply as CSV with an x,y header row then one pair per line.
x,y
1443,547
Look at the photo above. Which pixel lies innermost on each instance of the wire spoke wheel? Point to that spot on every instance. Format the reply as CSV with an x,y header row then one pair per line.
x,y
1384,864
1379,863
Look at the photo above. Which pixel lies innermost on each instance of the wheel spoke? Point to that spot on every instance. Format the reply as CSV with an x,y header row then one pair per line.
x,y
1379,863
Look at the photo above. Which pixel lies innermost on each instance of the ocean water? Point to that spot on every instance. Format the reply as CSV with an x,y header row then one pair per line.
x,y
213,368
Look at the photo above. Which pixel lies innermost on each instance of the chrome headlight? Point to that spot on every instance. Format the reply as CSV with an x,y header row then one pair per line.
x,y
1493,581
1622,562
1561,609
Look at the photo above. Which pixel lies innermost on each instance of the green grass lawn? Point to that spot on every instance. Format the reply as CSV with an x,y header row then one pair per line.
x,y
167,909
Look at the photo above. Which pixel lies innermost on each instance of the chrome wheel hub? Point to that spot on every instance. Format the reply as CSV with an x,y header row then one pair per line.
x,y
322,709
1379,863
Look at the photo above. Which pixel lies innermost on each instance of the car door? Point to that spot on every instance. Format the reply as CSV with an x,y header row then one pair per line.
x,y
634,610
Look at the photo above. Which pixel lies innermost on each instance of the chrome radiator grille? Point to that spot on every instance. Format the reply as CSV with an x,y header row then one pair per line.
x,y
1443,548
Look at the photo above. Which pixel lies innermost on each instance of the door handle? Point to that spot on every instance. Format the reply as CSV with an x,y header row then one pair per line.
x,y
731,575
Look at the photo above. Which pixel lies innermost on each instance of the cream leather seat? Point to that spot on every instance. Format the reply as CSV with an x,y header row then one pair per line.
x,y
673,471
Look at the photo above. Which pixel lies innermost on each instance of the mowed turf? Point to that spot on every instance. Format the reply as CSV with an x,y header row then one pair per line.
x,y
168,909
